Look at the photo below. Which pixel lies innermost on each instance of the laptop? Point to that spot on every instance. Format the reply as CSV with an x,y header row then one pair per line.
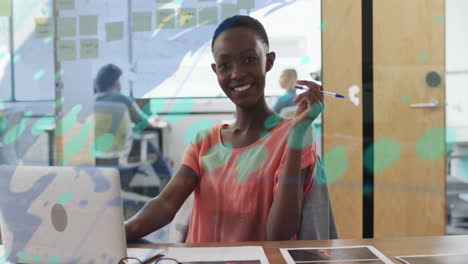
x,y
63,215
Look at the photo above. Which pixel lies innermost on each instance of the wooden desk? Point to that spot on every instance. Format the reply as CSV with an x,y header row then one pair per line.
x,y
390,247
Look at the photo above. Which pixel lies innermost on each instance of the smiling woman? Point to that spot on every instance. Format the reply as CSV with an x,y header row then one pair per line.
x,y
249,178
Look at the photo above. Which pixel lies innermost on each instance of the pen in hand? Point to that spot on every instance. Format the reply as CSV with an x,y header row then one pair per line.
x,y
324,92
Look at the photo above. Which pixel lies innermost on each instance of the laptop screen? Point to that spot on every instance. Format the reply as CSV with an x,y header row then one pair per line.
x,y
55,215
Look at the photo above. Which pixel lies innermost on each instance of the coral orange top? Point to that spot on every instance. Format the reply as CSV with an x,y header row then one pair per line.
x,y
237,185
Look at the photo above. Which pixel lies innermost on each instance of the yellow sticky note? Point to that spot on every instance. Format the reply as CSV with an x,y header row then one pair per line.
x,y
65,4
141,21
44,27
208,15
89,48
245,4
165,18
5,8
114,31
187,17
66,50
88,25
66,27
228,10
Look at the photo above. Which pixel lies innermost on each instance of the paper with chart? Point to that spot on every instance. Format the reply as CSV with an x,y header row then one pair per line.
x,y
241,255
336,255
435,259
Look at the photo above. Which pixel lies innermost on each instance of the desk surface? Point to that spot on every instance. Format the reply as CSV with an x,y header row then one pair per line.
x,y
390,247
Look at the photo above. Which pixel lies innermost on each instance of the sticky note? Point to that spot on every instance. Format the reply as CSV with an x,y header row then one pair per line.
x,y
66,50
88,25
66,27
245,4
44,27
187,17
89,48
228,10
5,8
141,21
114,31
208,15
65,4
165,18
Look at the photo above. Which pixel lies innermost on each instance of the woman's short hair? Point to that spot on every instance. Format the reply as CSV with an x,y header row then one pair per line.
x,y
106,77
245,22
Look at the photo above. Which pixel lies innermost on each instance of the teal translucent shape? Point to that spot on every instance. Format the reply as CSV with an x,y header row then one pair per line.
x,y
200,136
180,110
405,99
324,25
101,145
21,256
179,2
301,136
59,74
3,54
305,60
77,143
16,58
35,259
423,57
48,40
336,163
431,145
272,121
192,131
464,166
153,107
68,121
17,130
250,161
4,257
3,124
38,75
216,157
384,153
439,19
54,259
66,198
41,125
59,102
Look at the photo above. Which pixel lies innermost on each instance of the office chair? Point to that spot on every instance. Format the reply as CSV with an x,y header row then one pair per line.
x,y
116,145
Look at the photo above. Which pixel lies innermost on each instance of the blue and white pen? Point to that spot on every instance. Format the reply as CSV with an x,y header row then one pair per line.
x,y
324,92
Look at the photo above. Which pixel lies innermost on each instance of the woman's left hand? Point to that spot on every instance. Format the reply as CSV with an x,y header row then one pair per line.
x,y
310,104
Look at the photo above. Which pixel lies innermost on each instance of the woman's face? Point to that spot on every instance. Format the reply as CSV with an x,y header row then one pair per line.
x,y
241,64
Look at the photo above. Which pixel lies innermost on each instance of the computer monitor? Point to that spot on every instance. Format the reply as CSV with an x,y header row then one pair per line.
x,y
61,214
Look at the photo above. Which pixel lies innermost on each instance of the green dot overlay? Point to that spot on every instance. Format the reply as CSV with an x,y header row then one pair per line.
x,y
101,145
180,110
336,163
192,131
216,157
250,161
431,145
66,198
384,153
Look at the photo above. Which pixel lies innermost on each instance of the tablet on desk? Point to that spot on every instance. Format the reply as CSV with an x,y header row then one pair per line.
x,y
63,215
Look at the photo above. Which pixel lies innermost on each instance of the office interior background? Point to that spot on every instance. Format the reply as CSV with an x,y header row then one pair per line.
x,y
395,149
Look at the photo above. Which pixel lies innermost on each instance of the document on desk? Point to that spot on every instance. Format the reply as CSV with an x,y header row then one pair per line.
x,y
434,259
336,255
231,255
143,254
